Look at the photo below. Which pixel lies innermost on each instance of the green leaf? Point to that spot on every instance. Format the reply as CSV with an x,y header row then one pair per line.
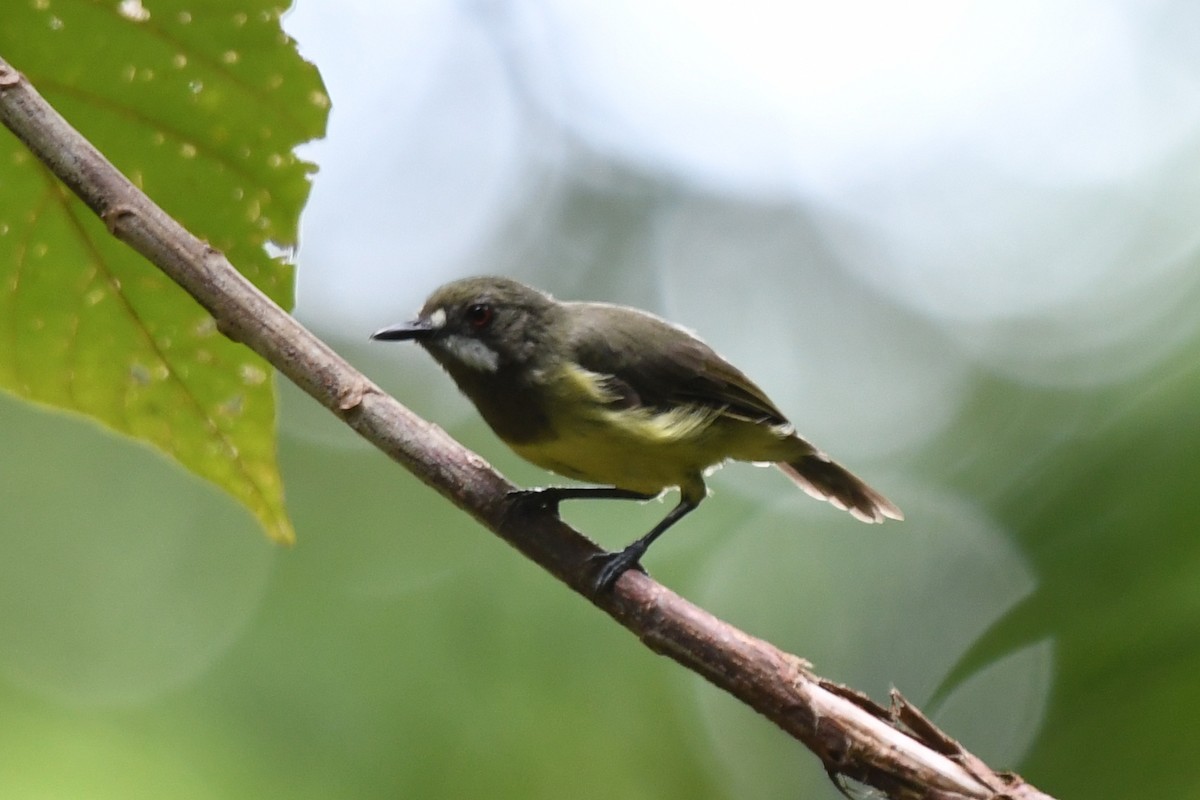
x,y
201,105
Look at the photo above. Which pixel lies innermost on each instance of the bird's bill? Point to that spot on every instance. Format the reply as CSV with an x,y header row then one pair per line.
x,y
417,329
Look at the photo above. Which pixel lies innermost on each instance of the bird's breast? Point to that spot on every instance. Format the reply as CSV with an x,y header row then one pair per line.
x,y
593,437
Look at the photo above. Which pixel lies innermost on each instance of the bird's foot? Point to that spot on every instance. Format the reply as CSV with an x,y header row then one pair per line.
x,y
614,565
534,501
547,498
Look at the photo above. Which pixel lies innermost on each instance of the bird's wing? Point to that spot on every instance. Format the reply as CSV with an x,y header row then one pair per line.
x,y
654,364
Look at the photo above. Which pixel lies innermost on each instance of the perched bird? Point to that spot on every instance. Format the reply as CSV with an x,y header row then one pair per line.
x,y
616,396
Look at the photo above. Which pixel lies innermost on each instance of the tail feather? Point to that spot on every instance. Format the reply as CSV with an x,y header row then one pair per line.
x,y
826,480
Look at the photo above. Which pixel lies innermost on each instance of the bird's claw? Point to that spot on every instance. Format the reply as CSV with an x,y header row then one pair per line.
x,y
613,566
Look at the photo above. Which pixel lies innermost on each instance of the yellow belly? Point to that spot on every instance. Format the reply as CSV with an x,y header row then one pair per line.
x,y
616,455
646,452
640,449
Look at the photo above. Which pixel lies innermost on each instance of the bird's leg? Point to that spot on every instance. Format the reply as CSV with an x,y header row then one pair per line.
x,y
614,564
548,498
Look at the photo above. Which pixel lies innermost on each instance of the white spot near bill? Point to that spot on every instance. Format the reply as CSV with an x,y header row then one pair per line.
x,y
471,352
438,318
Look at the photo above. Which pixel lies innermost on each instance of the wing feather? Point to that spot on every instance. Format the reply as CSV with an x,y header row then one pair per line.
x,y
651,363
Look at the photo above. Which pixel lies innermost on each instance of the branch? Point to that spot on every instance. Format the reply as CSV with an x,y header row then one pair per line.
x,y
896,750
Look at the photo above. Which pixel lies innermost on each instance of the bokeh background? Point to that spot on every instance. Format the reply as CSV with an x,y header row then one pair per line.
x,y
957,243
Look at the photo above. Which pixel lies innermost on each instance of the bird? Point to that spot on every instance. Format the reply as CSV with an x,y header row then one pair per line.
x,y
617,397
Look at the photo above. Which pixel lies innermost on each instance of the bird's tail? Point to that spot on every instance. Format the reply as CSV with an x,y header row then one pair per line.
x,y
826,480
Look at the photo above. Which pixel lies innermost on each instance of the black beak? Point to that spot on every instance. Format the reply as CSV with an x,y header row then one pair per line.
x,y
417,329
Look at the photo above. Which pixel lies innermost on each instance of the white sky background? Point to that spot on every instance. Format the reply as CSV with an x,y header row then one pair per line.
x,y
1022,179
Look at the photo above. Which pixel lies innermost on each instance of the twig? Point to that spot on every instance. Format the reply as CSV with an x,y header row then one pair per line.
x,y
898,752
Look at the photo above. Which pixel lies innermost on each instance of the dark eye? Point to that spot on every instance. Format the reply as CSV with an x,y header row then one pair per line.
x,y
479,315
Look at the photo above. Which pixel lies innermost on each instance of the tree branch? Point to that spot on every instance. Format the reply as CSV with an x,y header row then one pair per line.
x,y
896,750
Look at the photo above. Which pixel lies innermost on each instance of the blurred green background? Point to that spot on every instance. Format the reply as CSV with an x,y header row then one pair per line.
x,y
957,245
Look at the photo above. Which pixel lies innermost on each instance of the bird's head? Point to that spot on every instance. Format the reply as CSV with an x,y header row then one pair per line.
x,y
480,325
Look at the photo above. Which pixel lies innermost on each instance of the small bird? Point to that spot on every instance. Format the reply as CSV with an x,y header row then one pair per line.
x,y
616,396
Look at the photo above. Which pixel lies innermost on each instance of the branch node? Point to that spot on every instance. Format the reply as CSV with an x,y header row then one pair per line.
x,y
351,396
114,218
9,76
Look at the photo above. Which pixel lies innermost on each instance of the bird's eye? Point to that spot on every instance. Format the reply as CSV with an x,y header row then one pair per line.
x,y
479,315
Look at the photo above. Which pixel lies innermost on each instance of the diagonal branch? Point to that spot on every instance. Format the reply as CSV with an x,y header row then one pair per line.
x,y
898,751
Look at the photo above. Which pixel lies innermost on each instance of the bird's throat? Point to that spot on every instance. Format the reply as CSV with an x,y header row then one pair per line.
x,y
470,353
